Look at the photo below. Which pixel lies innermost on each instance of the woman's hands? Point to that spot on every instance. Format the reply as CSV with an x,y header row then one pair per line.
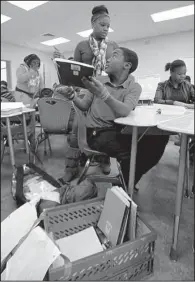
x,y
57,54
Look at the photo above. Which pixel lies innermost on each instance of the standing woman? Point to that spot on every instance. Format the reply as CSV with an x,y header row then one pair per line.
x,y
96,50
29,82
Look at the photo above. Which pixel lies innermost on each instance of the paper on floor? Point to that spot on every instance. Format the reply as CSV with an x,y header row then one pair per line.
x,y
15,226
33,258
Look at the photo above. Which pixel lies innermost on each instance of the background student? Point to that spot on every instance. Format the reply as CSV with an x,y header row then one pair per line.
x,y
176,90
29,81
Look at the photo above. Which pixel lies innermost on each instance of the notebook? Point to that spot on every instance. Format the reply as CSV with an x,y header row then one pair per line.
x,y
11,107
113,218
80,245
70,73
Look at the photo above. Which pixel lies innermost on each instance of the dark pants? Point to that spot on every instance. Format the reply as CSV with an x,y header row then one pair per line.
x,y
116,145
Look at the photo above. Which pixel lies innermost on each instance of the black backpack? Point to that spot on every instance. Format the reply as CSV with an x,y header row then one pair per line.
x,y
18,178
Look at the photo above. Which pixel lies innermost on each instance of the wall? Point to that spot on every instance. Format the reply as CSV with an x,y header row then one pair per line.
x,y
155,52
15,54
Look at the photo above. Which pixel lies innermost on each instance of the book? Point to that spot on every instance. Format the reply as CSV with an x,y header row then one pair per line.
x,y
70,73
80,245
113,218
131,226
127,200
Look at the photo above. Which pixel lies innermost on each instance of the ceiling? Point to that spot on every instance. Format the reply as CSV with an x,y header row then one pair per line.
x,y
130,20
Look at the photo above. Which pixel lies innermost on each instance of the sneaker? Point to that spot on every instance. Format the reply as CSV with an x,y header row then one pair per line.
x,y
177,143
105,168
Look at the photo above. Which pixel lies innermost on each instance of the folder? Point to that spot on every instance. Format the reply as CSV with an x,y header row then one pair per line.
x,y
70,73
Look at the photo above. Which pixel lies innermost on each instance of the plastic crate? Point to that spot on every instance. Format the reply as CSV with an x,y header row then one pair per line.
x,y
128,261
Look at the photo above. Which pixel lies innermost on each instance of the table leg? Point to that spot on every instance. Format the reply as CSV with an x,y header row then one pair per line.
x,y
193,187
25,133
33,131
9,134
179,195
133,161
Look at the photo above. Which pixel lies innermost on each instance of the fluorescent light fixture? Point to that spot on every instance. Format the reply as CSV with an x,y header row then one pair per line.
x,y
4,18
27,5
55,41
173,14
86,33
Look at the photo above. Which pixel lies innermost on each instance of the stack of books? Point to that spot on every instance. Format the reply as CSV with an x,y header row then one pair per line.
x,y
118,217
8,108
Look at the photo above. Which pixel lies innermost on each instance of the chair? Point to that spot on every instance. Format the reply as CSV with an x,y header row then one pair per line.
x,y
188,192
18,133
54,117
90,153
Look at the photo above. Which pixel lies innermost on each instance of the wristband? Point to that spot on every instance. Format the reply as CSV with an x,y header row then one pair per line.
x,y
72,96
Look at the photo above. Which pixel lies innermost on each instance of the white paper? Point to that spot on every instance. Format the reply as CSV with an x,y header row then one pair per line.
x,y
80,245
33,258
16,226
5,106
38,185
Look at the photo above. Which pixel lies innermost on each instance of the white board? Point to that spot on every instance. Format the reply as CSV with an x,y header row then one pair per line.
x,y
149,84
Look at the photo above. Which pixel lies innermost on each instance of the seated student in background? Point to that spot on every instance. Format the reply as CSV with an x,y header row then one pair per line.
x,y
116,97
29,82
188,78
176,90
6,95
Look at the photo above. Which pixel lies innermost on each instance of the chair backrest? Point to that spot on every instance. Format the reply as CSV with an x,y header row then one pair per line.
x,y
82,131
54,114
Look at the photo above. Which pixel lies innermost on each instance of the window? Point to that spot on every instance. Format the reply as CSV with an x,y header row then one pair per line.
x,y
6,72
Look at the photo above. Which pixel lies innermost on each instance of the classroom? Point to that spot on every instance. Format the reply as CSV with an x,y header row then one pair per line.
x,y
97,140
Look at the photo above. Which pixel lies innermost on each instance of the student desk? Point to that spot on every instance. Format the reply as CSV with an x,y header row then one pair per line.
x,y
145,116
9,133
185,126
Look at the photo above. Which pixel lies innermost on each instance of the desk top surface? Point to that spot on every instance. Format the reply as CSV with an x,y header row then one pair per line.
x,y
184,124
147,116
23,111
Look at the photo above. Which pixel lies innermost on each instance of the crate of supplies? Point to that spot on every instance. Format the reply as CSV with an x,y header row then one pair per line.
x,y
132,260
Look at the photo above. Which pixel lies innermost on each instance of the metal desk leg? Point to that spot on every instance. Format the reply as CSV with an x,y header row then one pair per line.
x,y
9,134
25,133
33,142
133,161
179,195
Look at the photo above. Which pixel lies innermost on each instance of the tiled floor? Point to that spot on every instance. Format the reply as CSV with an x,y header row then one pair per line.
x,y
156,200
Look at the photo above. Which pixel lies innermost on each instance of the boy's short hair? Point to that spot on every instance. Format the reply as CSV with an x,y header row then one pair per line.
x,y
130,57
4,83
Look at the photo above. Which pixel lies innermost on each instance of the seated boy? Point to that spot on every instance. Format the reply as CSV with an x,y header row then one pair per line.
x,y
116,97
6,95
